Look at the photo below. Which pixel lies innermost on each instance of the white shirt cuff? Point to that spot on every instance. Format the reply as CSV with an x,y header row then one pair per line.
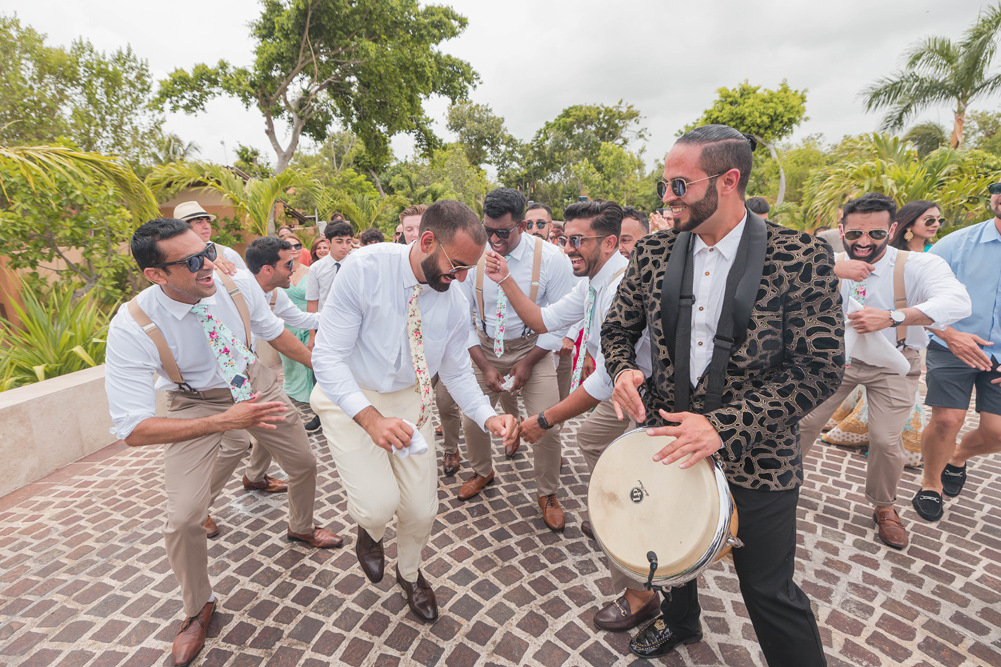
x,y
354,403
481,416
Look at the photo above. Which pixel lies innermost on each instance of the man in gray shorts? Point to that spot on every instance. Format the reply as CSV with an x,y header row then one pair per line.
x,y
964,356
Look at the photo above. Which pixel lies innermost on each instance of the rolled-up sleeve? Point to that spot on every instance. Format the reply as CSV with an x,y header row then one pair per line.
x,y
128,377
938,293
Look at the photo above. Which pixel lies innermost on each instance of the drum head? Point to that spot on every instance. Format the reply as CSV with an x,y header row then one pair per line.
x,y
638,505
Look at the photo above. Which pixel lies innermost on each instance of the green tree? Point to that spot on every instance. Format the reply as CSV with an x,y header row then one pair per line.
x,y
926,137
481,133
983,131
939,71
446,175
169,148
767,115
368,66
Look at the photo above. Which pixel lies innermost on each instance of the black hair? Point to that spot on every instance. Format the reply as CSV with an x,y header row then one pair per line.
x,y
758,205
870,202
265,252
336,229
605,216
504,200
905,219
637,215
723,149
145,241
537,204
446,216
371,235
283,227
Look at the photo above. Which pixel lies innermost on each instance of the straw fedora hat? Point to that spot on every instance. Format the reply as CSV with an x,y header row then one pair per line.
x,y
191,209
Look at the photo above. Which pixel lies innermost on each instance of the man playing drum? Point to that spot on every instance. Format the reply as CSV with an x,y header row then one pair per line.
x,y
746,331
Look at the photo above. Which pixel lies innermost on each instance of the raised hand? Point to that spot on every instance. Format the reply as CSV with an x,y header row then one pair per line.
x,y
853,269
495,267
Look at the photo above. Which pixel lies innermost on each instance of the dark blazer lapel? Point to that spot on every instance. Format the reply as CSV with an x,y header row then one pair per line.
x,y
671,289
750,282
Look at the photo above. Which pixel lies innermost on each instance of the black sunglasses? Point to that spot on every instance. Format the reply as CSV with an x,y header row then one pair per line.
x,y
575,240
194,262
679,186
994,188
540,225
501,233
296,246
874,234
288,265
931,221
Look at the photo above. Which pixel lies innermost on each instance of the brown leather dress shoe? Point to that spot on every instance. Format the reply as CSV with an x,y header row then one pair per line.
x,y
321,538
891,532
371,556
585,527
474,485
511,450
616,616
191,637
267,485
420,597
450,463
211,530
552,513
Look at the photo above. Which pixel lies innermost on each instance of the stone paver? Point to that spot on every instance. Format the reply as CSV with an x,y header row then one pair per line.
x,y
84,577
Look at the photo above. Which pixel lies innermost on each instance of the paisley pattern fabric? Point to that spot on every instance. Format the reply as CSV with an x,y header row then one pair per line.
x,y
580,359
791,360
227,350
417,353
857,293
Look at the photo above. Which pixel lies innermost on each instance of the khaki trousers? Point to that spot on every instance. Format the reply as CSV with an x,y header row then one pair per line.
x,y
450,416
596,433
539,393
891,401
564,372
380,484
191,466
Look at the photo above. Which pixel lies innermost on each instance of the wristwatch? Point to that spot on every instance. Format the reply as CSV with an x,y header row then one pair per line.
x,y
898,317
543,424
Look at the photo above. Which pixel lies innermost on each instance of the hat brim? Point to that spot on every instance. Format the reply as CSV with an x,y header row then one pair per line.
x,y
199,214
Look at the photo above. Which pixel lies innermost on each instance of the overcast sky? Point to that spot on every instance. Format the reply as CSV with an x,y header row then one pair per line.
x,y
536,57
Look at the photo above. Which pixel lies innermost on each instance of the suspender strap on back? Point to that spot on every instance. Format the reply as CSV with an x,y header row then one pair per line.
x,y
239,302
166,356
900,291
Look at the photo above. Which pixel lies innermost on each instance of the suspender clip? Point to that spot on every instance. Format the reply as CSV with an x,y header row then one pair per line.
x,y
184,386
725,343
686,300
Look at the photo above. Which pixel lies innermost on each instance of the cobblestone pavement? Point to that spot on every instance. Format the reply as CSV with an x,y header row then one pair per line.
x,y
84,578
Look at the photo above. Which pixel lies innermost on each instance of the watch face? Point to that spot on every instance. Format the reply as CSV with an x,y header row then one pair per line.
x,y
897,316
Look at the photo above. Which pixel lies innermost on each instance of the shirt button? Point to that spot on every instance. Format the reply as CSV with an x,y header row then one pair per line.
x,y
700,343
711,249
702,308
707,273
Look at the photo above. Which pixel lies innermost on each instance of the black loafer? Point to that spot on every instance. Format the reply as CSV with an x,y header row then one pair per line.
x,y
656,638
313,424
928,505
953,480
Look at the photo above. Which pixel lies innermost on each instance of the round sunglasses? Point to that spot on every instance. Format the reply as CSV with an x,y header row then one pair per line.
x,y
576,239
874,234
679,186
193,262
540,225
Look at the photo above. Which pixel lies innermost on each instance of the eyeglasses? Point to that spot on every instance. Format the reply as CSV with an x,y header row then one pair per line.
x,y
194,262
296,246
288,265
931,221
679,186
455,269
575,240
540,225
994,188
874,234
502,234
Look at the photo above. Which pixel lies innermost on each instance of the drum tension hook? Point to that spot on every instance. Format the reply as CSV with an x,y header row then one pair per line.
x,y
649,585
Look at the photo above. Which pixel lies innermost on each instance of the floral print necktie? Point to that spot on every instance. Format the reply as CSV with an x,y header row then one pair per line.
x,y
501,322
228,351
857,293
578,366
417,354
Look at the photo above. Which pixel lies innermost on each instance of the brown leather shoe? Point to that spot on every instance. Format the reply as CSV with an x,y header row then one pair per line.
x,y
511,450
191,637
552,513
267,485
450,463
616,616
420,597
474,485
585,527
371,556
891,532
321,538
211,530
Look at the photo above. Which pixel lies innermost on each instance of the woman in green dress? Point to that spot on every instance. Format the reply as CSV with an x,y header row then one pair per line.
x,y
298,378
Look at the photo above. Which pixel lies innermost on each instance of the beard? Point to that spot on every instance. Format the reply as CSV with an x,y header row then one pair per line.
x,y
433,273
877,251
700,211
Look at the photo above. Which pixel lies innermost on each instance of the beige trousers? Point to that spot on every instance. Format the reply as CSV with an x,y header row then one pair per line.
x,y
539,393
190,468
380,484
450,416
596,433
891,401
564,372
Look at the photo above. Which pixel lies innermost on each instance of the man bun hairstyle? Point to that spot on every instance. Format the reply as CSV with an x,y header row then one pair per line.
x,y
265,251
446,217
723,149
605,216
870,202
637,215
504,200
337,229
145,240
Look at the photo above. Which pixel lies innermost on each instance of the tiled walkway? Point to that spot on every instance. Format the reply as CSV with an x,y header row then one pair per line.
x,y
84,579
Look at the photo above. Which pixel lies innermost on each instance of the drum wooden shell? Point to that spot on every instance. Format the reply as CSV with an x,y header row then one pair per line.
x,y
685,516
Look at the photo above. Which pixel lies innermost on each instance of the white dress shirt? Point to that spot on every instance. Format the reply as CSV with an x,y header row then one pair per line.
x,y
231,255
286,310
319,279
555,282
931,287
132,360
570,310
362,342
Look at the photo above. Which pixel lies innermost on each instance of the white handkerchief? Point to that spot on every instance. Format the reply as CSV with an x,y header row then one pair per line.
x,y
508,384
418,445
873,348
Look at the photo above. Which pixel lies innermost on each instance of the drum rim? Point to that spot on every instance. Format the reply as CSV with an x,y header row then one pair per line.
x,y
719,541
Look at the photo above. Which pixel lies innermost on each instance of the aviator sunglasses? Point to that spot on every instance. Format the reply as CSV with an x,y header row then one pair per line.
x,y
679,186
194,262
874,234
931,221
994,188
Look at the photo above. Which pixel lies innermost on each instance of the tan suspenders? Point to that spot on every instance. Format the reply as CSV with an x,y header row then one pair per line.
x,y
166,356
899,288
533,293
274,298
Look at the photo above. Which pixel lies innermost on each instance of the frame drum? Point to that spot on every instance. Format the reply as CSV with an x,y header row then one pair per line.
x,y
637,506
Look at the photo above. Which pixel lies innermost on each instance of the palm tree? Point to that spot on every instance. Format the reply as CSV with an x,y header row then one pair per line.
x,y
926,137
254,198
938,70
362,210
171,148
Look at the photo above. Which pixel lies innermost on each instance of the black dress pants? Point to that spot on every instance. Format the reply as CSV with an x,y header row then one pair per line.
x,y
780,612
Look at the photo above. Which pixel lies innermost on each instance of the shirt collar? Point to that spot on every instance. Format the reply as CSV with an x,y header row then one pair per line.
x,y
612,264
991,232
727,246
889,257
409,277
178,308
519,252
